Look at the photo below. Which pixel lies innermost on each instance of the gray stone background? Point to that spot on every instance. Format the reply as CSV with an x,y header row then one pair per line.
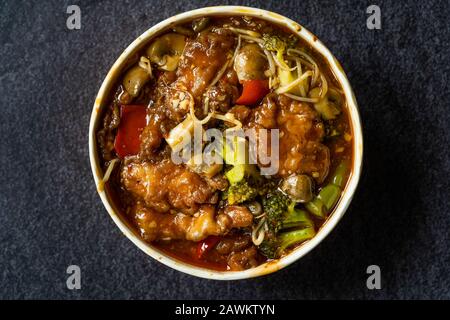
x,y
51,215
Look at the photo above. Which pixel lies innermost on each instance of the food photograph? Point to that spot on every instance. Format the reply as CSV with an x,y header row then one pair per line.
x,y
215,153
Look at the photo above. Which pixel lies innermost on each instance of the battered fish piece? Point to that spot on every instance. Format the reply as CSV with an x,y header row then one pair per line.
x,y
301,132
203,57
165,185
154,225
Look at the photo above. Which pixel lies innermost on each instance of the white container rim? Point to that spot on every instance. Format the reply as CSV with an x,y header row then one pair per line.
x,y
332,220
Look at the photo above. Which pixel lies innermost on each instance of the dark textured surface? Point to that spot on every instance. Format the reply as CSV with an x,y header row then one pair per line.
x,y
51,215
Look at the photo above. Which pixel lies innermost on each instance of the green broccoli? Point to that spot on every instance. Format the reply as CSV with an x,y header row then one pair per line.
x,y
240,191
329,195
273,246
293,237
275,43
287,225
275,205
296,218
246,183
269,247
247,188
284,73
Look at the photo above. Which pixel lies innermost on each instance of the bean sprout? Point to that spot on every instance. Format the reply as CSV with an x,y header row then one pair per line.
x,y
302,99
260,216
302,53
229,117
108,172
271,61
219,74
258,232
225,66
250,33
280,65
311,60
299,74
324,88
294,83
206,104
249,38
303,61
192,112
237,48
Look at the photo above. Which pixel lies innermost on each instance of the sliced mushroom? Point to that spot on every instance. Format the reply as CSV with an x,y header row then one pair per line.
x,y
298,187
250,63
135,78
166,50
255,208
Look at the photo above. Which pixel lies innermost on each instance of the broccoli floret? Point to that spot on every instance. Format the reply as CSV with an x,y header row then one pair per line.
x,y
275,205
280,45
295,236
240,192
296,218
269,247
287,225
277,43
247,189
281,213
274,246
274,43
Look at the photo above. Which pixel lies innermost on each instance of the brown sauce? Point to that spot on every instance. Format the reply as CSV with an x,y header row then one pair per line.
x,y
179,190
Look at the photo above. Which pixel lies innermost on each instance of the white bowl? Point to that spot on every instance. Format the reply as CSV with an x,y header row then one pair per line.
x,y
332,220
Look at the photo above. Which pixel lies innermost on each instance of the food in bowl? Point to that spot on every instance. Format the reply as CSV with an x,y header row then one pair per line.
x,y
193,88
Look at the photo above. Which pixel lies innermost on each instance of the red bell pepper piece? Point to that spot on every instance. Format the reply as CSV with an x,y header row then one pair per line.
x,y
253,91
206,245
132,122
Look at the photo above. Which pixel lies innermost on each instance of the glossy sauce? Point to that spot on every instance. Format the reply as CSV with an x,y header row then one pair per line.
x,y
341,148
